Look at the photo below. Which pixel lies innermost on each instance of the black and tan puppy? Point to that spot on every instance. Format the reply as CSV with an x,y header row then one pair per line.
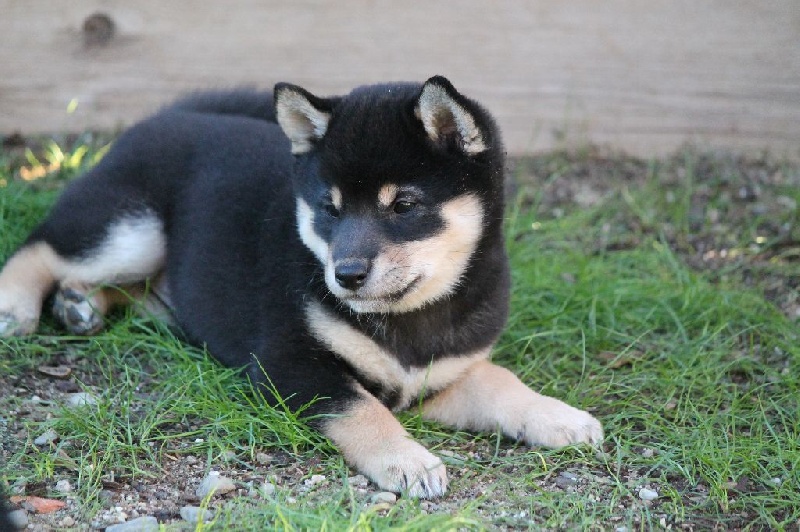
x,y
350,248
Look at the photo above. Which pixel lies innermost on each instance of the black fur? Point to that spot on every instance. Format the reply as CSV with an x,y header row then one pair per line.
x,y
217,170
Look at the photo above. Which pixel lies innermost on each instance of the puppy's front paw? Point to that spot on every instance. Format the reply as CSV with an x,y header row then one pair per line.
x,y
407,467
552,423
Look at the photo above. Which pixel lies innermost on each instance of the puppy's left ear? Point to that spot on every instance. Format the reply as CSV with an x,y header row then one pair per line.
x,y
446,119
302,116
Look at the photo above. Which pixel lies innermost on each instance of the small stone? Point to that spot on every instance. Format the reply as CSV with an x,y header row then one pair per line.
x,y
384,497
47,437
314,480
63,486
776,481
80,399
648,494
67,522
141,524
263,458
381,506
569,476
229,455
358,481
215,484
267,489
194,514
18,518
621,529
648,453
57,372
565,482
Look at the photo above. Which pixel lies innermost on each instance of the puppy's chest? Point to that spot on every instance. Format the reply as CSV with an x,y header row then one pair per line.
x,y
377,365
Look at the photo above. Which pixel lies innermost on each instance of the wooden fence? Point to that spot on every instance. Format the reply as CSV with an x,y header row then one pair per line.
x,y
642,76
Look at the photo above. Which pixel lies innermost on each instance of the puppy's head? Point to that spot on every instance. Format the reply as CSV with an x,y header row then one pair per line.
x,y
396,186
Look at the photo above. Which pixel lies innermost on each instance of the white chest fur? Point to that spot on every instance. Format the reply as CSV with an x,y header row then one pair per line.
x,y
376,364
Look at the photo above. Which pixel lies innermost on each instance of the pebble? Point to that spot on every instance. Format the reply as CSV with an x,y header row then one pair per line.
x,y
381,506
194,514
358,480
229,455
49,436
263,458
67,522
142,524
565,479
314,480
648,453
384,497
647,494
215,484
80,399
267,489
63,486
18,518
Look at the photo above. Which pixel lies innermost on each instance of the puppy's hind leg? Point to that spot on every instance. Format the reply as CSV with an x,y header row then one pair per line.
x,y
130,249
25,281
131,252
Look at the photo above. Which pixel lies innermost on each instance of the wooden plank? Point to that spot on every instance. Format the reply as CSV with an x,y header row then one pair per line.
x,y
643,77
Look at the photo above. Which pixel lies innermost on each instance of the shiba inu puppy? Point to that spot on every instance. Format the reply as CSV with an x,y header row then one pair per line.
x,y
347,248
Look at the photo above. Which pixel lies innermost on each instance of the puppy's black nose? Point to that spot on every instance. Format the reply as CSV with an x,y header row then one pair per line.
x,y
352,273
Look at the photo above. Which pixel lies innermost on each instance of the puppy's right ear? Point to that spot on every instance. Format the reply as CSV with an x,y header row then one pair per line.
x,y
302,116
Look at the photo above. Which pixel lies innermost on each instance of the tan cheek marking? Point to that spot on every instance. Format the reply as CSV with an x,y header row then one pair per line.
x,y
305,227
387,194
444,257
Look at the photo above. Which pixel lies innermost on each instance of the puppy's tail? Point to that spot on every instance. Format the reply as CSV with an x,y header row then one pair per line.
x,y
240,102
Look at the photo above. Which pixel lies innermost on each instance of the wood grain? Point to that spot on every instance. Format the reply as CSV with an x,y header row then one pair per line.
x,y
638,76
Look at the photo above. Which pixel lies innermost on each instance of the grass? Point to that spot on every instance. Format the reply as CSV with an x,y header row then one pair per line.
x,y
693,371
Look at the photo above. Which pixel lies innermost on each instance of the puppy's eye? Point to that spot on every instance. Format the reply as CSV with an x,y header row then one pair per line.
x,y
403,207
331,210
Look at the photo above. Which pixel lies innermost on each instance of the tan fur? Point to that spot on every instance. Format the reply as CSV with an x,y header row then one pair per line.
x,y
435,264
133,251
387,194
151,299
26,279
336,197
376,444
441,115
374,362
300,120
305,227
488,397
441,259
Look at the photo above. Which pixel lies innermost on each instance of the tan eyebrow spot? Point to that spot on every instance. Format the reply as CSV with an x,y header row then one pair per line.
x,y
387,194
336,197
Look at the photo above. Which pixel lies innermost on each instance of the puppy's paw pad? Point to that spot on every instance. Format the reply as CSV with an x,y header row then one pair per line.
x,y
413,471
76,313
